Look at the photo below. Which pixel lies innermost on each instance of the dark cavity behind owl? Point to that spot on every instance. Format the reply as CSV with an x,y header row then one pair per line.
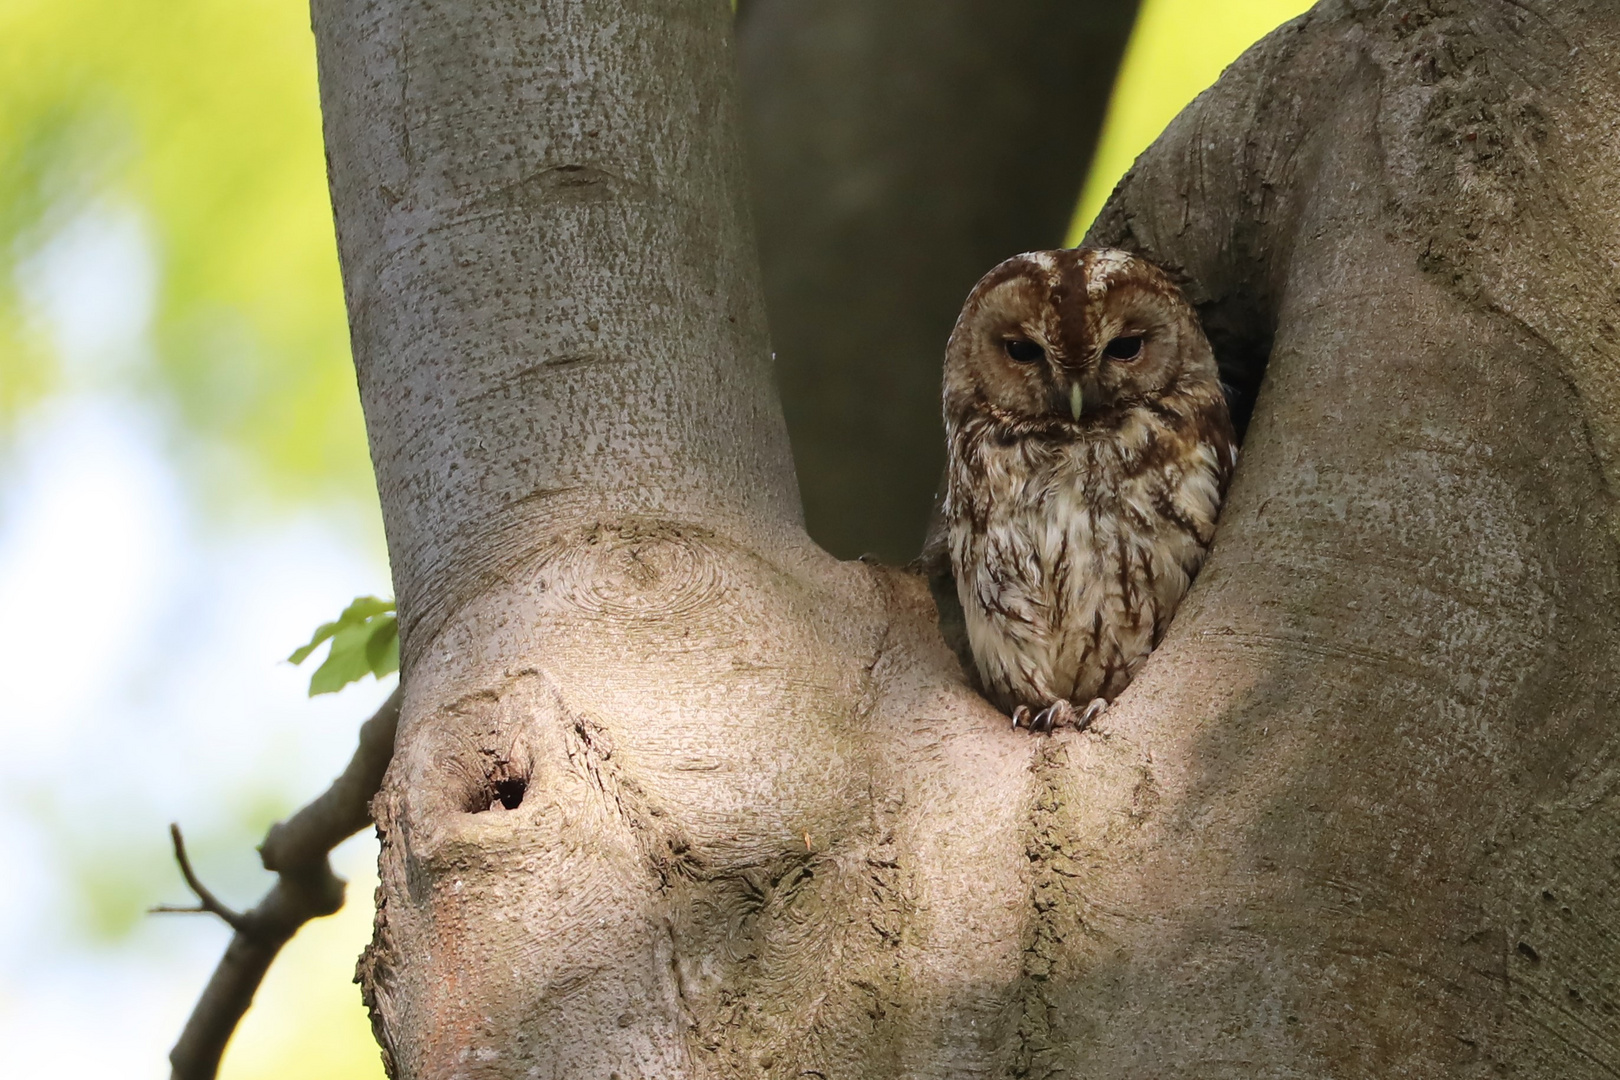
x,y
1089,449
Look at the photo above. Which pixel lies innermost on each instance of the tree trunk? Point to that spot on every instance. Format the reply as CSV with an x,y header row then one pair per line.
x,y
899,149
677,794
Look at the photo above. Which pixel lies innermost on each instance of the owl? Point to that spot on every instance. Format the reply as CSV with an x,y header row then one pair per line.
x,y
1089,448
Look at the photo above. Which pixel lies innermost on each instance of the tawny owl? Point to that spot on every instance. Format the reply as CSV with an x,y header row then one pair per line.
x,y
1089,449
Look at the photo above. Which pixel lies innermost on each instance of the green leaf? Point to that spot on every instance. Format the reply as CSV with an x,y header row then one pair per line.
x,y
346,663
364,607
382,649
322,632
365,641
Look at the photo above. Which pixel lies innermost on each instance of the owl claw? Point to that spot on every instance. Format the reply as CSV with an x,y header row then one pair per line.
x,y
1093,710
1058,714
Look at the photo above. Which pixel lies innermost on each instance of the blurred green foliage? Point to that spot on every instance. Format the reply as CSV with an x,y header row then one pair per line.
x,y
114,870
202,117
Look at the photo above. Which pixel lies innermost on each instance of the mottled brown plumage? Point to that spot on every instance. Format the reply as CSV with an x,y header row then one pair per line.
x,y
1089,449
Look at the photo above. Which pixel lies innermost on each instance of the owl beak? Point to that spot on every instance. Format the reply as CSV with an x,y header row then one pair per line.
x,y
1076,399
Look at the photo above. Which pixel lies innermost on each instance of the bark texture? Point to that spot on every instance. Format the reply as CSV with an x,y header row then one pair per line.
x,y
899,149
552,303
1388,776
677,794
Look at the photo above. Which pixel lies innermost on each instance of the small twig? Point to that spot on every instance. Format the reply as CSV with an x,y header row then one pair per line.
x,y
207,902
297,850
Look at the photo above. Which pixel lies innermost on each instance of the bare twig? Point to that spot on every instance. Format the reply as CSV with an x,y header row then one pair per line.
x,y
297,850
207,902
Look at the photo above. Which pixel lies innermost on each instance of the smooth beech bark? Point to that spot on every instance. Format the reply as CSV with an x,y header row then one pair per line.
x,y
677,794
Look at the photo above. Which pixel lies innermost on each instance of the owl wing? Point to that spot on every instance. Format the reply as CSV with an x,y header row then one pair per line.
x,y
1006,582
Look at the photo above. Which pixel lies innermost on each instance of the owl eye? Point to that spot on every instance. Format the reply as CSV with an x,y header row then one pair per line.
x,y
1123,348
1022,350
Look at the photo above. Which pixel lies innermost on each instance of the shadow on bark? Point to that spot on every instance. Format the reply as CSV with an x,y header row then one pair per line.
x,y
899,149
1399,793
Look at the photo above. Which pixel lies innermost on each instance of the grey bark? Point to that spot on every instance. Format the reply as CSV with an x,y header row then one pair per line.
x,y
552,304
677,794
1399,773
899,149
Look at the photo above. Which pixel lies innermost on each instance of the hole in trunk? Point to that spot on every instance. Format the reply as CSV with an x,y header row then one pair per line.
x,y
503,789
509,792
1241,338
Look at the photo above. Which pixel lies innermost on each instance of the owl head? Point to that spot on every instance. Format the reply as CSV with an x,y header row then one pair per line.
x,y
1068,339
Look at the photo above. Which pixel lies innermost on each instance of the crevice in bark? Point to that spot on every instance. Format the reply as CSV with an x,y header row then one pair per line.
x,y
379,960
1045,932
1060,946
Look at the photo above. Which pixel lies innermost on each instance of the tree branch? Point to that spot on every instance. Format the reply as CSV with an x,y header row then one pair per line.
x,y
900,148
578,376
207,902
297,850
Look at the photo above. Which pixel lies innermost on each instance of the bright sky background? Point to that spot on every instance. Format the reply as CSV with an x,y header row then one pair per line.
x,y
1178,48
184,496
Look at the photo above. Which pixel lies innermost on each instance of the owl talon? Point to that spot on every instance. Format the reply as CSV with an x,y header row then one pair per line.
x,y
1093,710
1058,714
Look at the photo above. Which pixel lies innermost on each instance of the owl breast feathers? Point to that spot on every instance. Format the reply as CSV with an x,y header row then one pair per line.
x,y
1089,449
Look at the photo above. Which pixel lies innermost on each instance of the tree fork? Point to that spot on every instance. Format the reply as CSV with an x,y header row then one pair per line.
x,y
676,794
